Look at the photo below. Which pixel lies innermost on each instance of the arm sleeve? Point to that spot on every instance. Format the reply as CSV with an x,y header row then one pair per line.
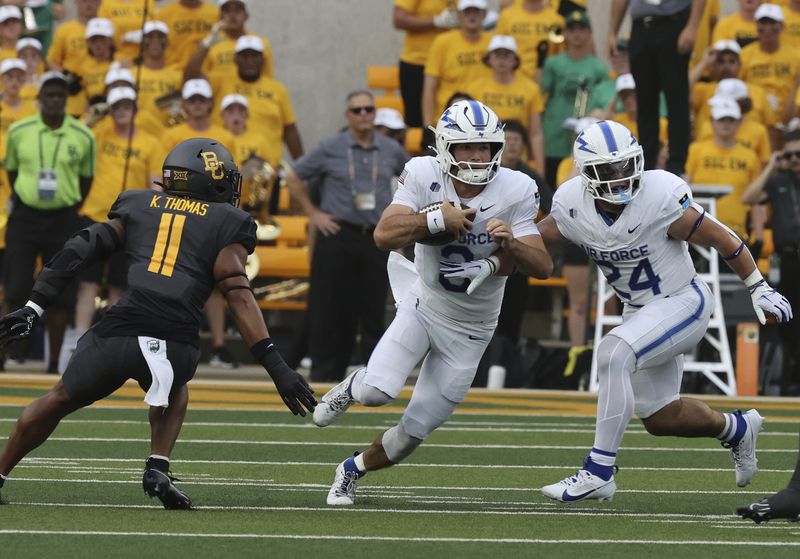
x,y
433,67
87,164
523,220
121,208
241,230
561,214
285,102
407,187
677,201
311,164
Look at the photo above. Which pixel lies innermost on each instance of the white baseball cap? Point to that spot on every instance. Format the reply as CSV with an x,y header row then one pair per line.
x,y
727,45
116,74
197,87
249,42
390,118
724,107
151,26
233,99
10,12
120,94
625,82
29,42
12,64
732,87
223,2
466,4
506,42
769,11
52,76
99,27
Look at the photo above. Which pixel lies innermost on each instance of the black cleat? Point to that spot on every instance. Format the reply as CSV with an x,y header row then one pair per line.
x,y
783,505
158,484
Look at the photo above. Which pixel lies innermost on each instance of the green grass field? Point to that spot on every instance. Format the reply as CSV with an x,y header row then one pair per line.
x,y
259,479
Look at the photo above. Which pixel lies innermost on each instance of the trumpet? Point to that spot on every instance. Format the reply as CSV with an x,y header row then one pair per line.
x,y
553,44
261,177
556,35
581,102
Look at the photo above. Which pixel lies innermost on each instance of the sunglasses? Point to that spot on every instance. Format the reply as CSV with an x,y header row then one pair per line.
x,y
790,154
368,109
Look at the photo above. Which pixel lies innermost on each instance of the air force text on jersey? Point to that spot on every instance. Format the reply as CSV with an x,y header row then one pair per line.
x,y
617,255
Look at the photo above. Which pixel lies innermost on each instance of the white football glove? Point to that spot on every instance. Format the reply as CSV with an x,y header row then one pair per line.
x,y
214,36
765,298
446,19
133,37
475,271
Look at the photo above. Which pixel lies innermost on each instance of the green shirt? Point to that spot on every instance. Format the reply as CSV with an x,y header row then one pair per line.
x,y
68,150
560,78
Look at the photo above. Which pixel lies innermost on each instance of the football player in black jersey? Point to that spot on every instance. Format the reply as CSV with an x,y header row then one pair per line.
x,y
181,244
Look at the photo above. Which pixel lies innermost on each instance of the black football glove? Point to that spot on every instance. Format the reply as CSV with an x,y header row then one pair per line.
x,y
17,325
291,385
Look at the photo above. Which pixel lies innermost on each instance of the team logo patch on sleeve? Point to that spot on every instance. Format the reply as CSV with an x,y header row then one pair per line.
x,y
573,212
402,178
435,187
685,201
537,200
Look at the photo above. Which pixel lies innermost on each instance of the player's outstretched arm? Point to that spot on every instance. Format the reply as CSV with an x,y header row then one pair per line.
x,y
233,284
83,249
702,229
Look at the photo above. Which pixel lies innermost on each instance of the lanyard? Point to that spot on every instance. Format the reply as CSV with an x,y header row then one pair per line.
x,y
351,168
41,151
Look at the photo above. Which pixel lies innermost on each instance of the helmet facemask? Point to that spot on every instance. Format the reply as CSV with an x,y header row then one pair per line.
x,y
474,173
615,182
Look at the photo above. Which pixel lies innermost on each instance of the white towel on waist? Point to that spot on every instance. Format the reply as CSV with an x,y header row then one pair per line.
x,y
155,353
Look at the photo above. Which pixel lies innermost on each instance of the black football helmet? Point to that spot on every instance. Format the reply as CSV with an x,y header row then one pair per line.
x,y
202,168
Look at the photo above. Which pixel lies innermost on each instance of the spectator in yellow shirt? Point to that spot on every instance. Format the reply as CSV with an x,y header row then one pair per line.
x,y
722,160
454,60
117,168
750,133
93,68
510,95
198,102
791,30
69,41
142,121
157,79
769,63
10,31
422,21
530,23
29,50
740,26
271,112
188,21
127,16
216,53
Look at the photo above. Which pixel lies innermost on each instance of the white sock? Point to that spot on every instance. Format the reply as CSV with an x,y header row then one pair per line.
x,y
357,383
724,435
614,399
159,457
359,460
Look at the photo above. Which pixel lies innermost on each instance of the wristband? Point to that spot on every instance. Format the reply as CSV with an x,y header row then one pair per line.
x,y
753,278
39,310
494,263
435,221
268,356
261,349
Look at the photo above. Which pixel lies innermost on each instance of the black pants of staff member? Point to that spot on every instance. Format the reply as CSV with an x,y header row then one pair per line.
x,y
412,78
349,285
790,331
656,66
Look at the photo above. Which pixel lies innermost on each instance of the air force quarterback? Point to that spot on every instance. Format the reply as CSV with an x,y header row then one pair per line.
x,y
636,225
448,310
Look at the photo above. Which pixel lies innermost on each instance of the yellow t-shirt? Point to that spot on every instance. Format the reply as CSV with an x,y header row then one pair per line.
x,y
143,164
219,62
173,136
791,28
566,170
143,121
772,71
187,27
529,29
734,27
631,125
69,44
751,135
762,110
248,144
704,30
156,83
8,116
93,74
417,43
29,94
126,15
270,109
737,166
517,100
457,63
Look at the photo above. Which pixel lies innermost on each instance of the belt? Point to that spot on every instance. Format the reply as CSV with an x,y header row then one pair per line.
x,y
359,228
652,21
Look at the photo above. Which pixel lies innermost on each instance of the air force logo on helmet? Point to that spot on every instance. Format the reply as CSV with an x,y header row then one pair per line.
x,y
610,161
469,122
202,168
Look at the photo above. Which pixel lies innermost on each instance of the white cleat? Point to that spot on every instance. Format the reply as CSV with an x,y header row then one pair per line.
x,y
343,490
335,402
580,487
743,454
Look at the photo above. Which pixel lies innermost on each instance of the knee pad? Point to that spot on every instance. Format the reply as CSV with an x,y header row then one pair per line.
x,y
398,444
372,397
615,354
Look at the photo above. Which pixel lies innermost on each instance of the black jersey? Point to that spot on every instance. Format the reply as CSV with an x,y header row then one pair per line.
x,y
171,243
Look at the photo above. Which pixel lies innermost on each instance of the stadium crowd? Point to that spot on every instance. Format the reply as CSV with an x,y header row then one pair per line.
x,y
136,77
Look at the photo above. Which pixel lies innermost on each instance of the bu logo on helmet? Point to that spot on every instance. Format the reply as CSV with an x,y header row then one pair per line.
x,y
213,165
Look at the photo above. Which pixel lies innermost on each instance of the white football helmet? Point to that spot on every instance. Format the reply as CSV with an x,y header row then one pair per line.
x,y
469,122
610,161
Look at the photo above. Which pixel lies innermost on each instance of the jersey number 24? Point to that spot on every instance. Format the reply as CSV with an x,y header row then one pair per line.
x,y
637,281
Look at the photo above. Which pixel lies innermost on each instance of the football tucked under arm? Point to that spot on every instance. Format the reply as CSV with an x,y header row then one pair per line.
x,y
444,237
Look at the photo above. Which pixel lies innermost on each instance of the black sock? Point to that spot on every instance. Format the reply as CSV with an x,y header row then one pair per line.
x,y
157,464
2,480
794,483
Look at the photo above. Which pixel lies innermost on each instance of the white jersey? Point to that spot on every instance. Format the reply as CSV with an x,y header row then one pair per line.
x,y
511,196
634,252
